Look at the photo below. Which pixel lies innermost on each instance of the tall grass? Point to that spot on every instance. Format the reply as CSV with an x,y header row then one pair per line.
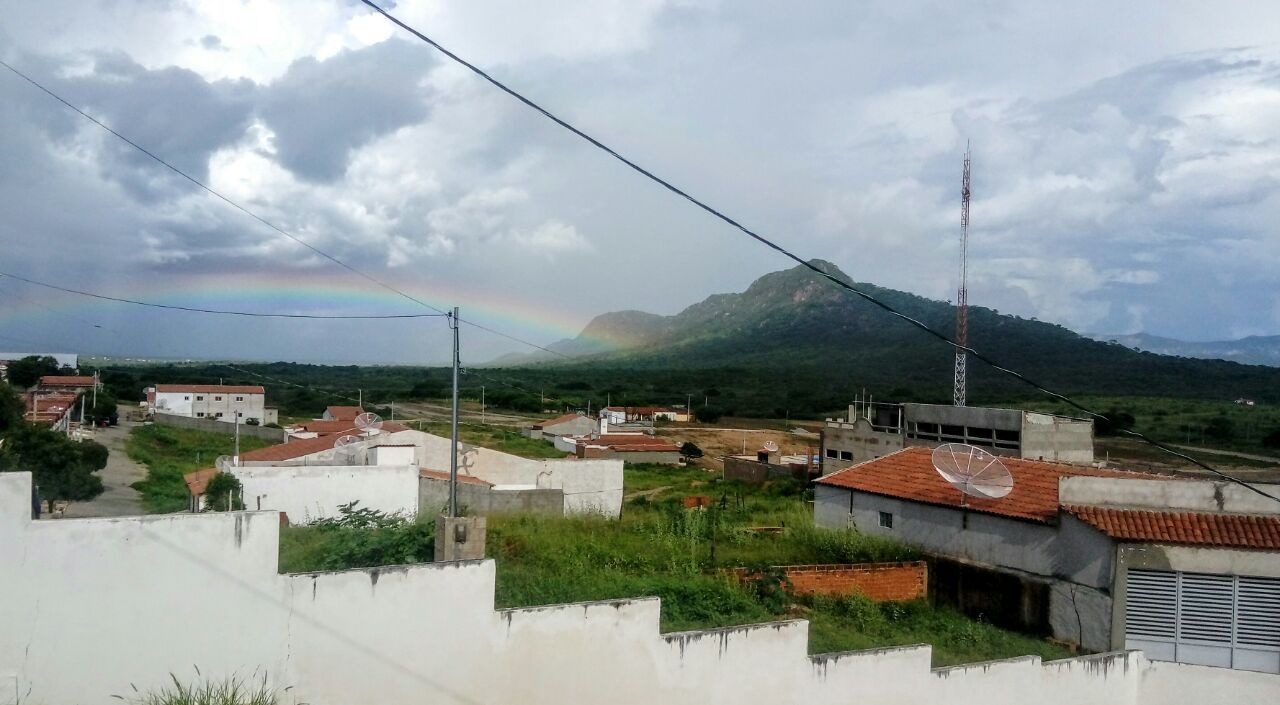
x,y
169,453
232,690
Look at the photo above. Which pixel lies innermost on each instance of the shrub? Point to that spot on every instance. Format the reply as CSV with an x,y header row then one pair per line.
x,y
223,493
232,690
357,538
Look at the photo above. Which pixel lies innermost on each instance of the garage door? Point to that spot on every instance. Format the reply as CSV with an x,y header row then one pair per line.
x,y
1213,620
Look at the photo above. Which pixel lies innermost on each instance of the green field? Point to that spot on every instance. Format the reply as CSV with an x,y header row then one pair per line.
x,y
169,453
505,439
659,548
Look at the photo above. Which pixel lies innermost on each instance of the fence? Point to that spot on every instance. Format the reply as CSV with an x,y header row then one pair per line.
x,y
275,435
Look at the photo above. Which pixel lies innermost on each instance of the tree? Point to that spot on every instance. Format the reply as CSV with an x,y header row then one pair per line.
x,y
1115,422
709,414
1220,428
27,371
1272,440
62,468
11,408
690,451
104,410
223,489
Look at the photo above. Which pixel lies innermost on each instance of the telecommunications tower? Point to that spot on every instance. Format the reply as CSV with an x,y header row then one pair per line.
x,y
962,294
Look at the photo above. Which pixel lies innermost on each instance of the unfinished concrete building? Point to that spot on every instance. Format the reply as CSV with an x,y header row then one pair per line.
x,y
874,430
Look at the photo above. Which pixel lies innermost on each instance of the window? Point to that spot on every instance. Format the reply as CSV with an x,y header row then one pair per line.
x,y
886,520
833,453
199,397
219,415
242,399
217,398
199,414
188,398
846,455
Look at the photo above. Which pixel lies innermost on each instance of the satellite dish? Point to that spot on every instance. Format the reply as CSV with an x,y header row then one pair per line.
x,y
223,461
973,471
771,446
344,447
369,422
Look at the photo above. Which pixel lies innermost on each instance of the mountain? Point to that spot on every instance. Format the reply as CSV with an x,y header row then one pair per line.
x,y
798,334
1253,350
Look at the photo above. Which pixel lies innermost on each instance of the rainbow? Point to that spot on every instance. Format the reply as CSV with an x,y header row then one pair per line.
x,y
301,292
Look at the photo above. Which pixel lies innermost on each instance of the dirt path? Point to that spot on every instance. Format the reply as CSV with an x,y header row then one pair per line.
x,y
119,499
1237,454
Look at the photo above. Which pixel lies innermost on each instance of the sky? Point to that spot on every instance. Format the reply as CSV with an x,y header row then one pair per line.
x,y
1126,165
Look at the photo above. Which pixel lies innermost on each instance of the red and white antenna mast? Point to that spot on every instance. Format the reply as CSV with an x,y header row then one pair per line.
x,y
962,294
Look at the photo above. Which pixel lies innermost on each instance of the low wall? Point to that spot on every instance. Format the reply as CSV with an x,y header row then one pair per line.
x,y
744,470
310,492
479,500
275,435
91,608
881,582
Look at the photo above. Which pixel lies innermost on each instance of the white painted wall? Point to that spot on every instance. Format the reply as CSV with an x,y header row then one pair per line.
x,y
310,492
90,606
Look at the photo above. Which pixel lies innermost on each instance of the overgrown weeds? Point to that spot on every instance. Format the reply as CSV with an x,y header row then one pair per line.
x,y
169,453
232,690
358,537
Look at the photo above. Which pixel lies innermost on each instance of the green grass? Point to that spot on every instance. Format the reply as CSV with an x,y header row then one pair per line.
x,y
658,548
169,453
233,690
504,438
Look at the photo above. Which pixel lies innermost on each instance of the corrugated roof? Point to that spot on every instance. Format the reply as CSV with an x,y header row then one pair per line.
x,y
909,474
1196,528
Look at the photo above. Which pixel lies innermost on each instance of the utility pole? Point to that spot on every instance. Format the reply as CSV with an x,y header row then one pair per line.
x,y
453,438
237,455
360,398
482,405
95,390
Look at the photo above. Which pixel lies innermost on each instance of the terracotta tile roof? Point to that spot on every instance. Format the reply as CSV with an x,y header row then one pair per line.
x,y
909,474
559,420
210,388
630,443
466,479
299,447
66,381
344,413
198,481
1198,528
330,427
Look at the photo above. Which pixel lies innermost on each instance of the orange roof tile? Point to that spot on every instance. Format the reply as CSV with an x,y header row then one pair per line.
x,y
466,479
558,420
1199,528
210,388
66,381
299,447
344,413
198,481
909,474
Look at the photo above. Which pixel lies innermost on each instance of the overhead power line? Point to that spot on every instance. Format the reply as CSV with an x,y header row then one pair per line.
x,y
720,215
193,309
205,187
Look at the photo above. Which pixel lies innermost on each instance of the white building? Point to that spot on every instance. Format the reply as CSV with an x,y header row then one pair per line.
x,y
212,401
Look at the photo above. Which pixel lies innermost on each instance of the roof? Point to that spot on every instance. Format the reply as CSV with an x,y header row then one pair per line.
x,y
559,420
299,447
465,479
909,474
198,481
345,413
640,410
630,443
67,381
211,388
328,427
1197,528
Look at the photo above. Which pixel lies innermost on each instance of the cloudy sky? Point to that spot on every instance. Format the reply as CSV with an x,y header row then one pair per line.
x,y
1126,164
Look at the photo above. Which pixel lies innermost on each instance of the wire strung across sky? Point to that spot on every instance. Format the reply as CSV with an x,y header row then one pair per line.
x,y
193,309
262,220
787,253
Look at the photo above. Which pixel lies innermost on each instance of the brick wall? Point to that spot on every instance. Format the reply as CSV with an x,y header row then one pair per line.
x,y
881,582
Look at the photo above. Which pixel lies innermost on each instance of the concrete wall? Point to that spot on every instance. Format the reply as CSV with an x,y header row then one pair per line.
x,y
859,440
580,426
1046,437
307,493
210,404
91,606
589,486
480,500
1197,495
671,458
275,435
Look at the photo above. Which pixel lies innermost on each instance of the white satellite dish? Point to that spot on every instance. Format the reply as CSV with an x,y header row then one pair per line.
x,y
223,462
344,447
771,446
972,470
368,422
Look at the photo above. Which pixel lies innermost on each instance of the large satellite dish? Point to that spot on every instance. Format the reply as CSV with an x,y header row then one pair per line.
x,y
223,462
972,470
368,422
771,446
344,447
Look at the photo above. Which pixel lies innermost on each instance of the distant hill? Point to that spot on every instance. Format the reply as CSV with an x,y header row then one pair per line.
x,y
1253,350
793,330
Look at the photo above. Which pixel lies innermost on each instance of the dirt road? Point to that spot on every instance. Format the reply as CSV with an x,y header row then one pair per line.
x,y
119,499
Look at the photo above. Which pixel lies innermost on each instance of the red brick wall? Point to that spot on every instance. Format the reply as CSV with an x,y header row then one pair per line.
x,y
881,582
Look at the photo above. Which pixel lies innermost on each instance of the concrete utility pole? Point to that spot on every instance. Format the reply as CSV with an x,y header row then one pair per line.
x,y
482,404
237,455
453,422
